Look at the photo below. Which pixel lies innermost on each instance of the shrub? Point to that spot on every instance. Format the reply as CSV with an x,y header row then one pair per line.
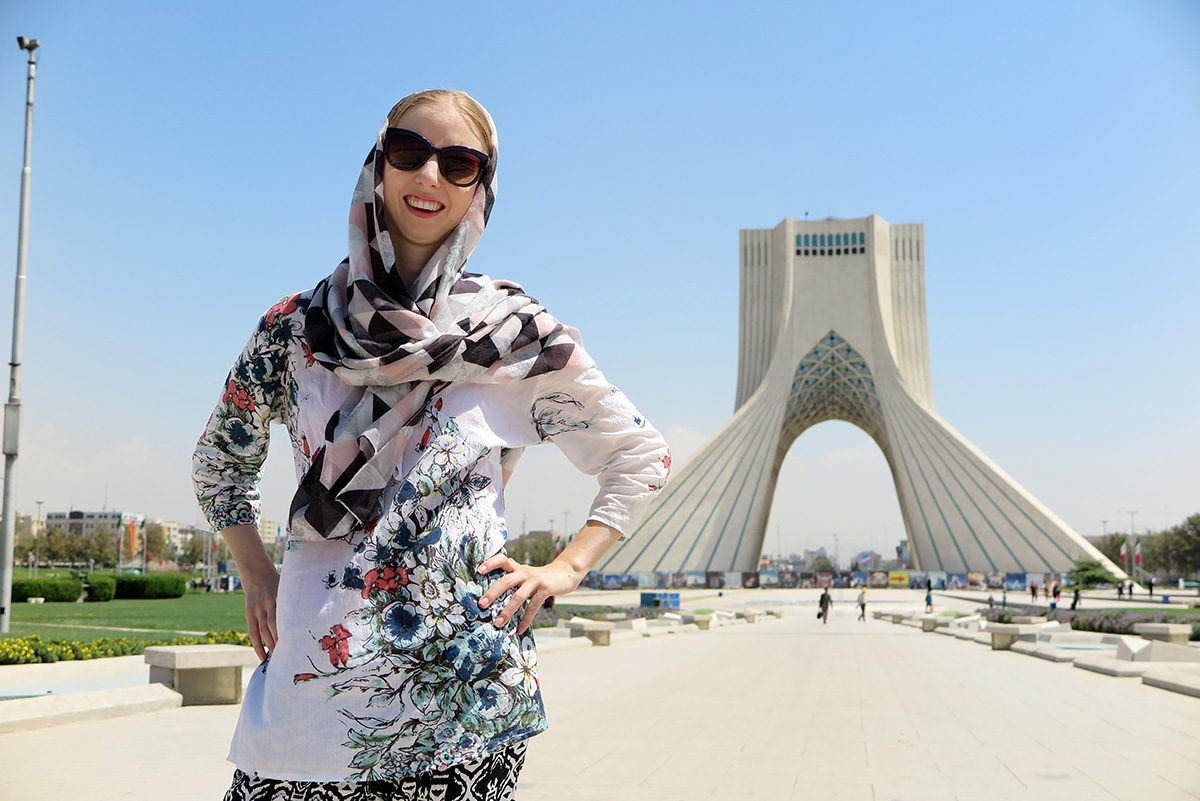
x,y
101,588
67,590
152,585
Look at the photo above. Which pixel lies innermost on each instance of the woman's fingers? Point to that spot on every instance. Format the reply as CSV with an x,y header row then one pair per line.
x,y
255,636
514,603
531,611
511,578
501,561
272,627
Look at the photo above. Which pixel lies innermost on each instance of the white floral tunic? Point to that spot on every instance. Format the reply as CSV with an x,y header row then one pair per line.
x,y
385,665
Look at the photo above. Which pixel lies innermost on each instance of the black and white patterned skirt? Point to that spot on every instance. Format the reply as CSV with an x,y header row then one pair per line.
x,y
492,778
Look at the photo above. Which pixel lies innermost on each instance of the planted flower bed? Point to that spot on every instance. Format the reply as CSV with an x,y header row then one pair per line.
x,y
1105,621
33,649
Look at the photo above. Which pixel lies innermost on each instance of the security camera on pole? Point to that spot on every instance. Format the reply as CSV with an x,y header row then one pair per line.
x,y
12,409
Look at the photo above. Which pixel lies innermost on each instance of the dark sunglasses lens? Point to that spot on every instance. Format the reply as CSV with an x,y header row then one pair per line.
x,y
460,166
407,152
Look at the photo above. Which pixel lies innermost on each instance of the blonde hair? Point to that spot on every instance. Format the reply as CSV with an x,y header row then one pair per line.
x,y
461,101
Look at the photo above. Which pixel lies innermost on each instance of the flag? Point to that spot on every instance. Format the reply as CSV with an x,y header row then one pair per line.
x,y
1124,553
1137,551
132,540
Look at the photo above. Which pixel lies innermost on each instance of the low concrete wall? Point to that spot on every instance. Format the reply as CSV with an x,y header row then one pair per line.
x,y
52,710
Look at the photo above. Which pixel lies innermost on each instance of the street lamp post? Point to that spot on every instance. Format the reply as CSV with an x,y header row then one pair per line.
x,y
37,539
12,409
1129,550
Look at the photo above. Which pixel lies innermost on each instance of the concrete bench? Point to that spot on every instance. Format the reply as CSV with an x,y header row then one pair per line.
x,y
898,617
1176,678
930,622
1028,619
1042,651
598,631
1005,634
702,622
202,674
1165,632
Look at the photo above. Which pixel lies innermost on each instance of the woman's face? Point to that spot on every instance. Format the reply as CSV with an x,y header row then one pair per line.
x,y
421,207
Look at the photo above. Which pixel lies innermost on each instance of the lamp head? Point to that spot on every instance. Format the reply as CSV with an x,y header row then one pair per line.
x,y
27,44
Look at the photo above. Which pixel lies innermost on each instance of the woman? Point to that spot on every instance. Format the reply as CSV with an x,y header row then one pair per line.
x,y
397,659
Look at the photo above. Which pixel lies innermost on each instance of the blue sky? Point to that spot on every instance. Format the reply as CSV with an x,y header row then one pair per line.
x,y
193,162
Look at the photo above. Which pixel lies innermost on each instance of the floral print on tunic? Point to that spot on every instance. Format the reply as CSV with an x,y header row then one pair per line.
x,y
393,649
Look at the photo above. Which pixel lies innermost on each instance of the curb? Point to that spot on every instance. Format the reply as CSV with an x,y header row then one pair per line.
x,y
23,714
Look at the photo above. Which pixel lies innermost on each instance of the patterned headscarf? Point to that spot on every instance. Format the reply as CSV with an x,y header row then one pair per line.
x,y
393,353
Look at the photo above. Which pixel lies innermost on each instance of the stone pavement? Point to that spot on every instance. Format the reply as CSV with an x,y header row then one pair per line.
x,y
776,710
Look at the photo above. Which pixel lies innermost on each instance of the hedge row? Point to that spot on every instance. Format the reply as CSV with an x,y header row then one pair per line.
x,y
25,650
152,585
101,588
66,590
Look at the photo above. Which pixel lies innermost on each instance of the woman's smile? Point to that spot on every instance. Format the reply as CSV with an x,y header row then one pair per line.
x,y
423,206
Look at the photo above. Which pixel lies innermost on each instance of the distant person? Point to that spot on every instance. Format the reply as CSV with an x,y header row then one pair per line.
x,y
825,602
928,601
928,584
1033,590
1121,591
1004,598
1150,586
1130,590
991,601
1075,600
862,605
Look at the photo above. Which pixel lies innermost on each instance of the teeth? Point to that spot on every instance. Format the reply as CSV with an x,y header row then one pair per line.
x,y
423,205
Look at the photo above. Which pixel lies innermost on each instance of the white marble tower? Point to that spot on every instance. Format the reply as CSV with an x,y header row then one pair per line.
x,y
832,327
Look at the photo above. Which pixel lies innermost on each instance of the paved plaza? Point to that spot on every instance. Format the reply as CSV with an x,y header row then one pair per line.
x,y
781,709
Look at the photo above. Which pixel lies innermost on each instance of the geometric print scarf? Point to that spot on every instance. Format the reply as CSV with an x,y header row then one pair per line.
x,y
393,353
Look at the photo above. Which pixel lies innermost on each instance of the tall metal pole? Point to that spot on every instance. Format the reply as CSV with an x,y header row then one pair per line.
x,y
12,409
1129,550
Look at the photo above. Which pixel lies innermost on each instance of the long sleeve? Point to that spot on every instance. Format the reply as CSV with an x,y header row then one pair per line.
x,y
227,464
601,432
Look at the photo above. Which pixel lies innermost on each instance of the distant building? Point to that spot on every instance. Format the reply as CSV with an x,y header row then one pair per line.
x,y
171,530
868,560
88,523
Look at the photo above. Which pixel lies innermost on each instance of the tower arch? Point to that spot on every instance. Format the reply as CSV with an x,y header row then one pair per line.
x,y
832,327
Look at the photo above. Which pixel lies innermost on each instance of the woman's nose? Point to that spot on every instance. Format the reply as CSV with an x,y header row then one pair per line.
x,y
428,173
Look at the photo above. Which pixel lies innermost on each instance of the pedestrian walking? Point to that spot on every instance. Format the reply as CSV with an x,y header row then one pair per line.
x,y
1075,600
826,602
862,605
1120,591
928,601
396,655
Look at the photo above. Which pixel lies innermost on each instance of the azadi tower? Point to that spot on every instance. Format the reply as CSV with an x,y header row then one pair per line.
x,y
832,327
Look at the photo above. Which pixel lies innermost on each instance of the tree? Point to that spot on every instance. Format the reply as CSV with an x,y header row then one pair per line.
x,y
1110,546
101,549
193,551
1088,573
156,541
55,546
821,564
533,549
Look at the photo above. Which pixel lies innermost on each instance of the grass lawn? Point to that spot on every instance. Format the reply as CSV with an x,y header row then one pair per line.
x,y
195,611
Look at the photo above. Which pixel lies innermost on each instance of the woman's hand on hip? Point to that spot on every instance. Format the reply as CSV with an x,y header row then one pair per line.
x,y
532,584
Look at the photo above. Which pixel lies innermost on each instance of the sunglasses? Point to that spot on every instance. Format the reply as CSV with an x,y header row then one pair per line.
x,y
408,151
